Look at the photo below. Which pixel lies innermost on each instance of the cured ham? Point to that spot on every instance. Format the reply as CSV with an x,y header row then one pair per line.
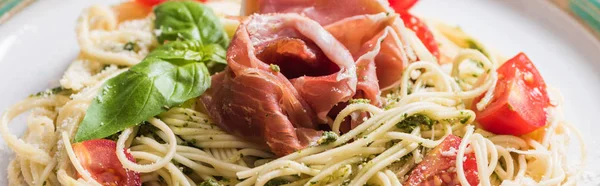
x,y
358,24
323,11
285,73
379,45
297,64
371,32
255,105
319,67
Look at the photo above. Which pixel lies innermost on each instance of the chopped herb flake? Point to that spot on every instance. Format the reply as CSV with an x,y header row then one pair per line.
x,y
473,45
479,64
411,122
275,68
355,101
465,120
327,138
131,46
49,92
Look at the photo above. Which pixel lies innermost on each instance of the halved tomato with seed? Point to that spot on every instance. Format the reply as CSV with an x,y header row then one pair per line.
x,y
519,100
99,158
438,167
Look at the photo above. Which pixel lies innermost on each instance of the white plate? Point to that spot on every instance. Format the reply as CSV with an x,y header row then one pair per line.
x,y
37,45
566,54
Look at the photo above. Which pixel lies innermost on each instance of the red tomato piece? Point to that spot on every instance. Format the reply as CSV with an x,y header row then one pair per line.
x,y
413,23
151,2
402,5
519,100
438,167
99,158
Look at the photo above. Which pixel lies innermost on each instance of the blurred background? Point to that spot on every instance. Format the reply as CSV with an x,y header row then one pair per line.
x,y
587,12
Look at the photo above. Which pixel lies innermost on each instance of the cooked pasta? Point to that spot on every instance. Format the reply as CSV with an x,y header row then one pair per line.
x,y
186,145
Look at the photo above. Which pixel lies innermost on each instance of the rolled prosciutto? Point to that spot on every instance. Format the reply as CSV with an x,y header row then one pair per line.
x,y
358,25
285,73
371,32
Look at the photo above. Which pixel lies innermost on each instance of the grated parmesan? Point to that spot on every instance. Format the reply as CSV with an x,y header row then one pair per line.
x,y
451,152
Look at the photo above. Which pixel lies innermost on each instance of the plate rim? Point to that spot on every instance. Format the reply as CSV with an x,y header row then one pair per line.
x,y
571,19
545,6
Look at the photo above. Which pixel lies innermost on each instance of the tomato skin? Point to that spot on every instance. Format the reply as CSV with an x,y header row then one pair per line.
x,y
519,100
439,166
137,9
150,2
99,158
423,33
402,5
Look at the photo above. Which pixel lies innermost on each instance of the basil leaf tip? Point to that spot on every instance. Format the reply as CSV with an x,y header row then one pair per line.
x,y
187,20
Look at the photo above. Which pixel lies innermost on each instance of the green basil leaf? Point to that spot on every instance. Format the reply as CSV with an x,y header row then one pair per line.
x,y
187,20
214,55
167,77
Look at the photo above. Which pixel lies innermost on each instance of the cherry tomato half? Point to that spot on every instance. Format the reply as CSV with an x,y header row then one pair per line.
x,y
519,100
99,158
438,167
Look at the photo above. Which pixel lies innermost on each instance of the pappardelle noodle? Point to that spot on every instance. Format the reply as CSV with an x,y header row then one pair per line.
x,y
288,93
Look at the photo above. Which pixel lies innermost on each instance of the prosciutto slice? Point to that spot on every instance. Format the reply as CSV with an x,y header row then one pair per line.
x,y
359,25
368,29
378,49
285,73
323,11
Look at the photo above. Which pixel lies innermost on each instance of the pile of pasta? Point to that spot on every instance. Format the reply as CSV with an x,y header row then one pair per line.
x,y
183,147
